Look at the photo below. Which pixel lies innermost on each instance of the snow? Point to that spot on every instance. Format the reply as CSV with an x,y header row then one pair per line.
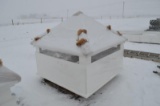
x,y
63,37
7,79
128,24
136,85
7,76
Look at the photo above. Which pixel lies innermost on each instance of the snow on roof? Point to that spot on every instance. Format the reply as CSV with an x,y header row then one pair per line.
x,y
7,75
77,13
63,37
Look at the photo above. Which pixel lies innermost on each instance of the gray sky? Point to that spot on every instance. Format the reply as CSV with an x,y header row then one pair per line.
x,y
52,7
14,8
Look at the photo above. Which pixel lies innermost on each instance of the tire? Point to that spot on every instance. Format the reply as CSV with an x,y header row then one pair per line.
x,y
151,21
154,22
156,28
151,27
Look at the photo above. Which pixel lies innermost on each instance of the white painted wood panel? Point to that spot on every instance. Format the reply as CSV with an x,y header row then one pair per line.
x,y
103,70
66,74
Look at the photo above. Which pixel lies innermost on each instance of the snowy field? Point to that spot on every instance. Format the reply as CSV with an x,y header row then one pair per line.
x,y
136,85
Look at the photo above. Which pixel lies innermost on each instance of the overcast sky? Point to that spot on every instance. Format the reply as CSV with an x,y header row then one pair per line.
x,y
57,7
15,8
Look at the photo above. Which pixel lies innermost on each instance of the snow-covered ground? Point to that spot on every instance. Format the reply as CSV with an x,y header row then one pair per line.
x,y
153,48
136,85
127,24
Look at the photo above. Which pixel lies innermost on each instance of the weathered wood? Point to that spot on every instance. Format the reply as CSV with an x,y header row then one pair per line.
x,y
142,55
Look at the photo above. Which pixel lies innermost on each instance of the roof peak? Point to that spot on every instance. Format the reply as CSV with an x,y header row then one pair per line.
x,y
78,13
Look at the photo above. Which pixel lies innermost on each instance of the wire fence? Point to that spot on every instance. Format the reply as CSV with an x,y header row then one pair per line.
x,y
61,19
32,21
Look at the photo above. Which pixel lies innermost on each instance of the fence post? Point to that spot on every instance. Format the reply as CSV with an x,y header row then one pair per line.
x,y
12,22
41,20
61,19
123,9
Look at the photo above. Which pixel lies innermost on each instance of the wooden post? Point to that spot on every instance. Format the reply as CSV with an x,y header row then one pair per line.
x,y
41,20
67,13
123,9
12,22
61,19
